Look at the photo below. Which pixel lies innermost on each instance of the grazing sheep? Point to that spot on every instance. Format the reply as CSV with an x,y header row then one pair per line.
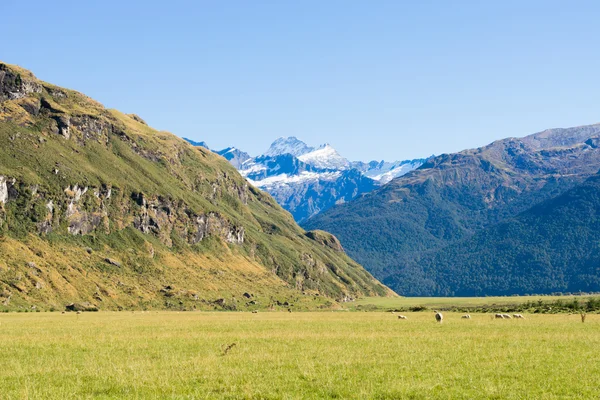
x,y
402,317
500,316
506,316
439,317
466,316
518,316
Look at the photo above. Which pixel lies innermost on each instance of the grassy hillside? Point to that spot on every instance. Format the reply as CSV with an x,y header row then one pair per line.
x,y
96,206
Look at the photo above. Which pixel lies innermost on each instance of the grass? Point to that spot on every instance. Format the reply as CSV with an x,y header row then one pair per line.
x,y
449,302
299,355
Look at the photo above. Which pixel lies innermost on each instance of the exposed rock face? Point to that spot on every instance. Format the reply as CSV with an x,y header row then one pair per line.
x,y
14,86
86,210
3,190
161,216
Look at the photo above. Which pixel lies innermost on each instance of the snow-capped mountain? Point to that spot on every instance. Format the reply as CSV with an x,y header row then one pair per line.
x,y
235,156
307,180
290,145
325,157
384,171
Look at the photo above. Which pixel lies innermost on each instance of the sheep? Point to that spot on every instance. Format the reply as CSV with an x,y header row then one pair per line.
x,y
500,316
506,316
439,317
466,316
518,316
402,317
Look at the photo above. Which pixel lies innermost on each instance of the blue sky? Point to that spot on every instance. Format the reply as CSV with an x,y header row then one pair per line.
x,y
376,79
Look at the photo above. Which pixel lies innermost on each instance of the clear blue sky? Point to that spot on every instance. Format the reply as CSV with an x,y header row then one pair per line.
x,y
376,79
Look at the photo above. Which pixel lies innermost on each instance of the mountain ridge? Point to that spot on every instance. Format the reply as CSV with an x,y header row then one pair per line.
x,y
307,180
452,196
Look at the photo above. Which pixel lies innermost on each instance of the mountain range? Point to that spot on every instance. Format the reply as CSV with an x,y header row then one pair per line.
x,y
308,180
517,216
97,208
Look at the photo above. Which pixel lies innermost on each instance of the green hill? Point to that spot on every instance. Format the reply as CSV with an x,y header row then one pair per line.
x,y
97,207
552,247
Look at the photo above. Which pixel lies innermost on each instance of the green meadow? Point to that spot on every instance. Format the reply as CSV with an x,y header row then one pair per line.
x,y
390,303
280,355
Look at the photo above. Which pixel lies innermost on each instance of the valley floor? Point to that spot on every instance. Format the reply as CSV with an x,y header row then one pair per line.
x,y
350,355
445,303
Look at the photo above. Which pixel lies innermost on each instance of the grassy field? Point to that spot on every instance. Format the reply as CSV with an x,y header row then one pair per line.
x,y
296,355
385,303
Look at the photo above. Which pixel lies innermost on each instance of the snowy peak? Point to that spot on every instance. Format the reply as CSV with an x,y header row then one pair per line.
x,y
235,156
289,145
325,157
307,180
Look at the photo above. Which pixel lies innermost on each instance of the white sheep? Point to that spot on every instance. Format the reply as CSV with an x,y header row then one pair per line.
x,y
439,317
402,317
466,316
518,316
500,316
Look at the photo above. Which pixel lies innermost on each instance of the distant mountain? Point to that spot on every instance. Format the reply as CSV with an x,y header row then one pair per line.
x,y
234,156
383,171
307,180
551,247
395,229
193,143
325,157
290,145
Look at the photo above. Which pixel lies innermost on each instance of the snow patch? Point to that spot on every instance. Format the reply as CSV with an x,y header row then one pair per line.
x,y
325,157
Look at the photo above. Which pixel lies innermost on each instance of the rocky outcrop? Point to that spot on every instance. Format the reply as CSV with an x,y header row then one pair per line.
x,y
161,216
3,189
14,86
325,239
85,210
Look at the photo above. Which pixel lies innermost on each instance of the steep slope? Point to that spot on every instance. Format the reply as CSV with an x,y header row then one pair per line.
x,y
95,206
452,196
552,247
